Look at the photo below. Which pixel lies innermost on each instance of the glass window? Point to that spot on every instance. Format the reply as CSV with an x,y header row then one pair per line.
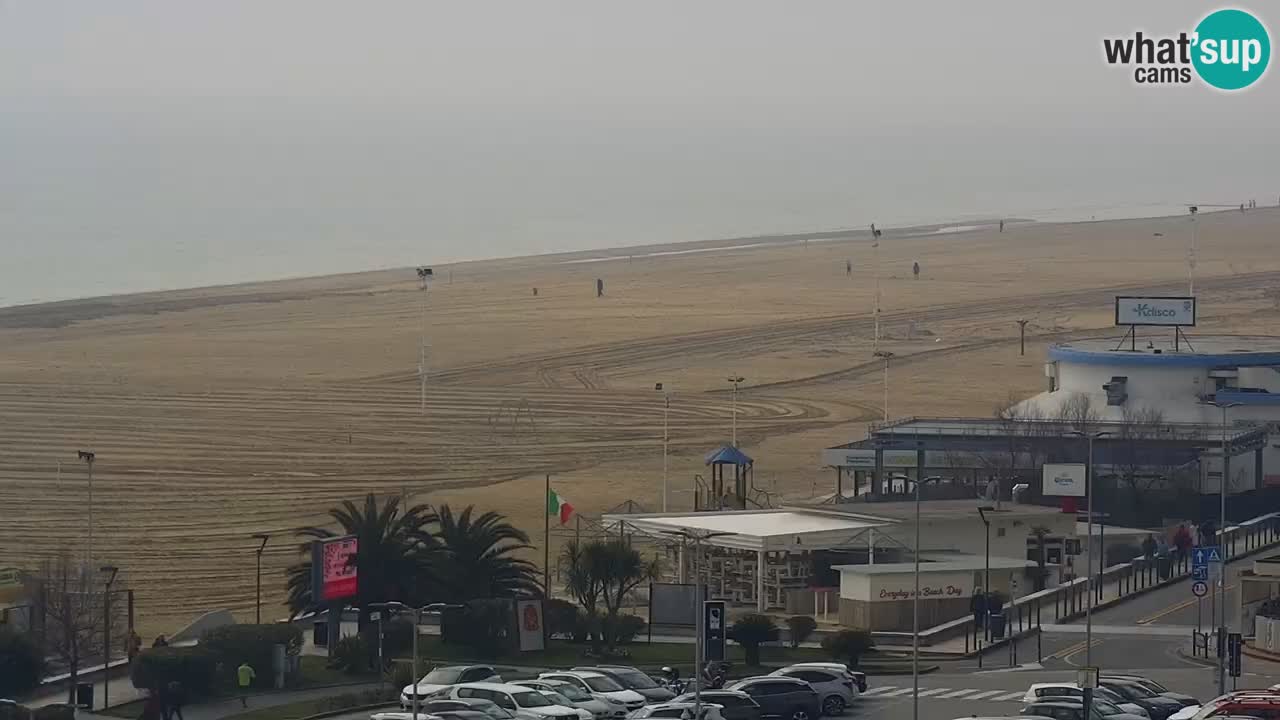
x,y
476,675
573,692
529,699
443,676
635,679
469,693
602,684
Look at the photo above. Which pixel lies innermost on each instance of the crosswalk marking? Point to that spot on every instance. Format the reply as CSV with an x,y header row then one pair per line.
x,y
984,694
1016,695
880,690
934,691
895,693
958,693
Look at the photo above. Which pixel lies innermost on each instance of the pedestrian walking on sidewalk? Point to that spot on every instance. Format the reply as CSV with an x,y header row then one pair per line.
x,y
173,701
245,677
1149,548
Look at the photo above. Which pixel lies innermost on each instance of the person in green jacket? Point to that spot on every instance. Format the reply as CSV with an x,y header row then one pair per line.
x,y
245,676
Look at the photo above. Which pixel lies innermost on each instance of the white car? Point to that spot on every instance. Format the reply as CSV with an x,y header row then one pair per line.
x,y
835,688
599,684
599,707
525,702
1048,692
444,676
677,711
859,678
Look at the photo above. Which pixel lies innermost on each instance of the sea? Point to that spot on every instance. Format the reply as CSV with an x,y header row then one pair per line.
x,y
97,201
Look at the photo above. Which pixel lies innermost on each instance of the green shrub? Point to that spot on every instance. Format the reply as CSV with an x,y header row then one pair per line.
x,y
485,626
800,627
752,631
848,645
58,711
15,712
400,675
193,667
232,645
628,629
21,664
585,627
562,618
351,655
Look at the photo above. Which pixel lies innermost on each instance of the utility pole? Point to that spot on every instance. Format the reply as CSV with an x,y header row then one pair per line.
x,y
1191,252
1022,337
111,571
425,276
875,247
1221,616
736,380
885,355
1088,583
263,537
666,439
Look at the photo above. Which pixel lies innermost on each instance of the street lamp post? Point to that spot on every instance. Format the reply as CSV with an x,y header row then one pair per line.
x,y
262,546
88,457
111,571
986,575
885,355
1221,620
698,650
396,606
915,602
1088,582
735,380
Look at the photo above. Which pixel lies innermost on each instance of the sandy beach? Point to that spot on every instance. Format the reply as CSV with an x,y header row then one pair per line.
x,y
223,412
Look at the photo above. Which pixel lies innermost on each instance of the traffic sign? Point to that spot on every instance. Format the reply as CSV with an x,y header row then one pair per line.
x,y
1199,588
1234,643
1205,554
1200,572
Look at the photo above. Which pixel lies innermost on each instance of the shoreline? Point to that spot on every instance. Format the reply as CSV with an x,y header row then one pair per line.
x,y
9,313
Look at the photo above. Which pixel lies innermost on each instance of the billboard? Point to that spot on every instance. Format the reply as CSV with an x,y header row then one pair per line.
x,y
714,629
1064,479
529,621
333,568
1171,311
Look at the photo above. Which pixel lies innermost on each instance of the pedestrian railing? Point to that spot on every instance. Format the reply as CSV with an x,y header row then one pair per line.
x,y
1069,600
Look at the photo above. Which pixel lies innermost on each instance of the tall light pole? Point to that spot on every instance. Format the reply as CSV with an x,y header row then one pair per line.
x,y
1088,582
697,536
885,355
88,457
425,275
915,601
875,247
666,439
1221,620
1191,251
986,577
111,572
736,380
263,537
395,606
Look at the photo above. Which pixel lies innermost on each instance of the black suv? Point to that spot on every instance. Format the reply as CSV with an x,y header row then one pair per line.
x,y
781,697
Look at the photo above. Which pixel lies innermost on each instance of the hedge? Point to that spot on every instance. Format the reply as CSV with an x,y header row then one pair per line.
x,y
231,645
193,667
21,664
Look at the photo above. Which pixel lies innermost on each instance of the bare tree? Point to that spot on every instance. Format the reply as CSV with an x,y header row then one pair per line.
x,y
1078,412
70,597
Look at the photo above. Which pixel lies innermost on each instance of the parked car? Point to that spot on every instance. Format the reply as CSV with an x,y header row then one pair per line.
x,y
1158,706
836,689
632,679
525,702
446,675
1156,688
859,678
599,684
1106,708
676,710
734,705
1045,692
1254,703
439,706
781,697
600,708
1069,711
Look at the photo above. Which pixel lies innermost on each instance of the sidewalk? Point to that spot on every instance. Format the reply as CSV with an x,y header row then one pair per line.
x,y
220,708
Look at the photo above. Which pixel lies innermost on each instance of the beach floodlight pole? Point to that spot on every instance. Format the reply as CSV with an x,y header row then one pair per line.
x,y
88,457
666,438
1221,620
875,247
262,537
1022,337
1088,583
885,355
1191,251
425,276
736,380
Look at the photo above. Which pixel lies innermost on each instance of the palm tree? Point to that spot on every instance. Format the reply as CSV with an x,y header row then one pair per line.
x,y
605,571
478,559
396,558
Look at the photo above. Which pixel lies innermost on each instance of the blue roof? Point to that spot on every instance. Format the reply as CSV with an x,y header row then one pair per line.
x,y
728,455
1154,351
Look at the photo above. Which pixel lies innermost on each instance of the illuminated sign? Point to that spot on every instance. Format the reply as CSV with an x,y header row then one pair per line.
x,y
333,568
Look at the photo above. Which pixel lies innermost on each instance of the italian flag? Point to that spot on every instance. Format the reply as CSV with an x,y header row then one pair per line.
x,y
557,505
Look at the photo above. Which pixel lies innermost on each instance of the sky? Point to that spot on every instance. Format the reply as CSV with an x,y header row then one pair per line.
x,y
186,143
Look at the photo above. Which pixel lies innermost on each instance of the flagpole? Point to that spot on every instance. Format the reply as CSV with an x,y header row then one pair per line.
x,y
546,540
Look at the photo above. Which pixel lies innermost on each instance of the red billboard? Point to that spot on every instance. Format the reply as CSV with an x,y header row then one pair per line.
x,y
333,564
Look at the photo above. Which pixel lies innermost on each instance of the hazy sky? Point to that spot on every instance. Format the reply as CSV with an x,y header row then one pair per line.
x,y
320,136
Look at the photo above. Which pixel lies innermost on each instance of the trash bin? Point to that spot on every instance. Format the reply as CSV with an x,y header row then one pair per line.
x,y
1165,566
997,626
320,634
84,695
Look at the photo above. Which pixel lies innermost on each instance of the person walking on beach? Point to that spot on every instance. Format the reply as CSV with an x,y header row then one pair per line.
x,y
245,677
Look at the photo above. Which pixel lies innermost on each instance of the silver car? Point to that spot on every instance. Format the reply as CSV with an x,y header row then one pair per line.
x,y
601,708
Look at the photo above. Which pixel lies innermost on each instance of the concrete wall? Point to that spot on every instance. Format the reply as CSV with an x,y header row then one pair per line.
x,y
968,535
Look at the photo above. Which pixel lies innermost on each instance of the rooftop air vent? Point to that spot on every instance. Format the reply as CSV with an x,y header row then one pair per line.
x,y
1117,390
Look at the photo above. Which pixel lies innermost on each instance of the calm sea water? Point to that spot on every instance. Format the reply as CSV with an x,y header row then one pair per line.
x,y
95,202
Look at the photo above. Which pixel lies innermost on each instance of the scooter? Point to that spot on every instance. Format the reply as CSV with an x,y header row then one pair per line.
x,y
672,681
